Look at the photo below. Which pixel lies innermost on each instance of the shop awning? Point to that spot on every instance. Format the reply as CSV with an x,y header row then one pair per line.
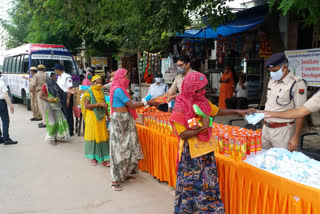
x,y
227,29
244,20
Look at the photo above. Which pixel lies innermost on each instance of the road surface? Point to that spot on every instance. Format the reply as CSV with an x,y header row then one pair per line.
x,y
37,178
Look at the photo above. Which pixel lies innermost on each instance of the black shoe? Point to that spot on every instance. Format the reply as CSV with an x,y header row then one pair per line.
x,y
37,119
9,142
42,126
1,140
71,134
33,119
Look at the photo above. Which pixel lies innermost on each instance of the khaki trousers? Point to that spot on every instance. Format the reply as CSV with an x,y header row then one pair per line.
x,y
277,137
34,106
41,107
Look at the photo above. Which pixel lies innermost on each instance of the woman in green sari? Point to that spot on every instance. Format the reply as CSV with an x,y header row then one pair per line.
x,y
57,125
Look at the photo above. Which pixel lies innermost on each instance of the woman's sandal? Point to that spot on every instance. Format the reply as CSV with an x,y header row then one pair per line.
x,y
130,178
107,164
116,187
94,162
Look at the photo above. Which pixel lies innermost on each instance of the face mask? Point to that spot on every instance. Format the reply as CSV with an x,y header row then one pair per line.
x,y
89,76
126,82
158,79
277,74
181,70
202,93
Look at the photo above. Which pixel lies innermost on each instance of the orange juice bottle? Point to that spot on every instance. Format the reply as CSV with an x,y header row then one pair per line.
x,y
226,145
258,142
243,149
237,148
231,148
220,144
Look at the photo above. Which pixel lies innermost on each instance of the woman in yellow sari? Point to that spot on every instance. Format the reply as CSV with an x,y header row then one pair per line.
x,y
96,136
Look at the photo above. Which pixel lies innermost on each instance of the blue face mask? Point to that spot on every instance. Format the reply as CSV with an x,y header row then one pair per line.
x,y
276,75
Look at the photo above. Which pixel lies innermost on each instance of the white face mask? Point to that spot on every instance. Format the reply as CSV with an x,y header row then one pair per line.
x,y
158,79
277,74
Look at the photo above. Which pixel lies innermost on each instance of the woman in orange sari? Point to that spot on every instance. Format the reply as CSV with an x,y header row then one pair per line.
x,y
226,87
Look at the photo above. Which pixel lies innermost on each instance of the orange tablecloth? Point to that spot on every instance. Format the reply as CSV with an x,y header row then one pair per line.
x,y
245,188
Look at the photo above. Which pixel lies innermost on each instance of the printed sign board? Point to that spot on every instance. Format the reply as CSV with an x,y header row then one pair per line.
x,y
305,64
99,62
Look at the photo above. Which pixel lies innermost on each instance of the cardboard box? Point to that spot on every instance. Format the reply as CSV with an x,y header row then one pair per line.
x,y
140,119
77,96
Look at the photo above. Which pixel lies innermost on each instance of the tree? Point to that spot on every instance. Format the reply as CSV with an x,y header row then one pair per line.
x,y
129,24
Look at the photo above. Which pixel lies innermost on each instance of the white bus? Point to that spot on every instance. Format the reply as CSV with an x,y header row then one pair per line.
x,y
17,63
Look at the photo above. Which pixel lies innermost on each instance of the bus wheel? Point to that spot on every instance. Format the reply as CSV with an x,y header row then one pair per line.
x,y
26,101
12,98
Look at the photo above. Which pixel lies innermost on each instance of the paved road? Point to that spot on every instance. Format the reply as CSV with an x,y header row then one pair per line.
x,y
37,178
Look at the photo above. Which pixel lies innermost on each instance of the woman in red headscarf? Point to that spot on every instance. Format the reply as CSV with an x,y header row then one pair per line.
x,y
197,187
124,141
226,87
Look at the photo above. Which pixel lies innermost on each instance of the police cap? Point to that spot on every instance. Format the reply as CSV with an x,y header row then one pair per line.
x,y
41,67
58,66
159,75
33,69
275,60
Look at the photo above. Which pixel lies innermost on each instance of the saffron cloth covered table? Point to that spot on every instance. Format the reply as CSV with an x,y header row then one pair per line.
x,y
245,189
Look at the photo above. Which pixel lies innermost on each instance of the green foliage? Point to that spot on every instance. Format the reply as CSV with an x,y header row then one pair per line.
x,y
126,24
308,9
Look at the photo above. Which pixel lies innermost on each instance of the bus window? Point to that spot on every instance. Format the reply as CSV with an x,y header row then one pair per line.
x,y
18,68
5,65
25,64
49,64
9,65
14,64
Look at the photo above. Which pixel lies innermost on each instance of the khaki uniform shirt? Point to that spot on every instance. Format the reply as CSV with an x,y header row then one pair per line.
x,y
278,96
313,104
176,85
38,80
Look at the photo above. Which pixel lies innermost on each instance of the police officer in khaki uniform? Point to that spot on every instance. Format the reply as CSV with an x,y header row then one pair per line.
x,y
312,105
285,91
37,82
33,96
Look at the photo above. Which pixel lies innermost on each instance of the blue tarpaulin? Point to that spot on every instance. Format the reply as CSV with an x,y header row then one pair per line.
x,y
244,20
227,29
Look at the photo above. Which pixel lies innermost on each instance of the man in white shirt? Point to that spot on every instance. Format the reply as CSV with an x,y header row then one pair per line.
x,y
158,88
64,81
240,101
4,101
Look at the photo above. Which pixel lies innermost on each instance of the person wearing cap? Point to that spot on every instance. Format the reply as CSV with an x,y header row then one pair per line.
x,y
33,96
37,82
158,88
312,105
285,91
4,103
64,81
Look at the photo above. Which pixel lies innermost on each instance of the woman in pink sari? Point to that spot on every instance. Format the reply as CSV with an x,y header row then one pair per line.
x,y
197,187
125,149
87,80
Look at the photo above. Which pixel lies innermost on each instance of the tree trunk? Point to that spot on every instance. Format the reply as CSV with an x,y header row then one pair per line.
x,y
271,28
